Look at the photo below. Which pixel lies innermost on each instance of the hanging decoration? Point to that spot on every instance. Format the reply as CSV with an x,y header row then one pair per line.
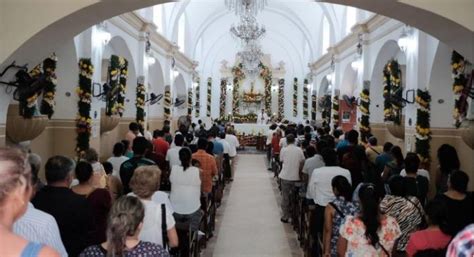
x,y
326,110
28,101
190,102
458,64
197,113
117,82
239,76
140,102
209,95
281,99
245,118
49,90
83,120
423,132
305,99
314,108
364,107
295,97
223,97
167,105
335,111
266,75
393,91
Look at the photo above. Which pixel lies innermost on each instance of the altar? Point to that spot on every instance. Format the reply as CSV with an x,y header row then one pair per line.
x,y
251,129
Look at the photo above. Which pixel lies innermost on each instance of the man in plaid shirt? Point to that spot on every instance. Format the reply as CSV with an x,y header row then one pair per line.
x,y
463,244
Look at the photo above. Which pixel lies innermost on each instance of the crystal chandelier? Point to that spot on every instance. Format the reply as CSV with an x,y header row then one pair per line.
x,y
241,7
248,29
250,57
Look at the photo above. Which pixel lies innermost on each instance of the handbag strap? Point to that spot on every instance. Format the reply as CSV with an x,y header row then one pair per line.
x,y
417,208
164,231
337,209
383,249
373,149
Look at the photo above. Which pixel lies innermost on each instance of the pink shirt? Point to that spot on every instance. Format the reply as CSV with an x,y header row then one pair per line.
x,y
427,239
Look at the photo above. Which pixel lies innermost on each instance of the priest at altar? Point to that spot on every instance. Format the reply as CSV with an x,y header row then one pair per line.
x,y
262,117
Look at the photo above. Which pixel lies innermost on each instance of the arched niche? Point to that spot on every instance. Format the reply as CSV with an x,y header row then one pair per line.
x,y
348,84
156,83
179,93
118,46
324,87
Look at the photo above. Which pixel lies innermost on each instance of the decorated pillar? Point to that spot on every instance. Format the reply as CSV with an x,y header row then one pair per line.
x,y
295,97
364,108
223,95
314,105
197,112
140,101
335,111
84,93
190,101
167,103
281,98
209,95
305,99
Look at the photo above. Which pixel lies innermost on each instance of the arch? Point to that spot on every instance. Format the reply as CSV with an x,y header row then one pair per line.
x,y
389,50
179,93
349,80
118,46
324,87
156,81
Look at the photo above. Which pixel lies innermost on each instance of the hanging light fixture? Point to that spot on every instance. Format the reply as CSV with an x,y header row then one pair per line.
x,y
404,39
330,76
150,59
241,7
248,29
103,36
357,63
250,57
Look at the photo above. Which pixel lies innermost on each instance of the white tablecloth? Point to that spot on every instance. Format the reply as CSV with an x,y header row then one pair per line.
x,y
253,129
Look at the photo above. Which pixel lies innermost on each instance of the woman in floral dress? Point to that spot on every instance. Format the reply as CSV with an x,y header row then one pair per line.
x,y
369,234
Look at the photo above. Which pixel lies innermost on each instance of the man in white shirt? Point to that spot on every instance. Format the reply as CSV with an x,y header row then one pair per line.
x,y
420,172
262,117
118,158
233,145
292,158
172,156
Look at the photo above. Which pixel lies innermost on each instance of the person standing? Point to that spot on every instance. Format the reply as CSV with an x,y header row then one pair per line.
x,y
207,164
268,144
133,132
373,150
172,156
292,158
234,144
118,158
140,147
159,143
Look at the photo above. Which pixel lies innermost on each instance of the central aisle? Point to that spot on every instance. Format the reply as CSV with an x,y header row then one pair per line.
x,y
251,224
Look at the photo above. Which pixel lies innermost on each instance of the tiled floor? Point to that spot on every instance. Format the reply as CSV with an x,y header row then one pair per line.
x,y
249,218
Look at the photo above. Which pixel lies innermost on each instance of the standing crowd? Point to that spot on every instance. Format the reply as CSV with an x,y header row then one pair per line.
x,y
130,205
371,200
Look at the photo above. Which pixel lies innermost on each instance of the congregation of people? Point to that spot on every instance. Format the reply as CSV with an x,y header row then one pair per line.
x,y
133,204
369,199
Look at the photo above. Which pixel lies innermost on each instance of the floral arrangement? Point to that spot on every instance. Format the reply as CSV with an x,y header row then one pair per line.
x,y
223,97
295,97
364,126
140,102
49,90
314,108
197,113
326,110
28,102
190,102
167,105
239,76
281,98
458,64
209,95
392,92
83,120
247,118
266,75
423,132
118,82
305,99
335,111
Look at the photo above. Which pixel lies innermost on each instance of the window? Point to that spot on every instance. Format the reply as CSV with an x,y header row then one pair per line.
x,y
351,18
326,36
158,18
182,33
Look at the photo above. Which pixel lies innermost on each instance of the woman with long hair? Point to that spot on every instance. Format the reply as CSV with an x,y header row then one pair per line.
x,y
395,166
336,212
448,162
370,233
124,225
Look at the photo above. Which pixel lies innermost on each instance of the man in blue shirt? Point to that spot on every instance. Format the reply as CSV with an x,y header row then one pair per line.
x,y
384,157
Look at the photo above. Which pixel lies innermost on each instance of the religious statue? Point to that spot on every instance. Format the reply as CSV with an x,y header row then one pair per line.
x,y
252,96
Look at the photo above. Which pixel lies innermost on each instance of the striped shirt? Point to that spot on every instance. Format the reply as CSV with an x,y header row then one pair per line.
x,y
40,227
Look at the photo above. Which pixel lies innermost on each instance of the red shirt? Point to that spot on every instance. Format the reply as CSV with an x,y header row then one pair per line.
x,y
209,169
427,239
276,144
161,146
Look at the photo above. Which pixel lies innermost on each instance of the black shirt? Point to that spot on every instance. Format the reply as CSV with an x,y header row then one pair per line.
x,y
459,213
128,168
417,187
72,213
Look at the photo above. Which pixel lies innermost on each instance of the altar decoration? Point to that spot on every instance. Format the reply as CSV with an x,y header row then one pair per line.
x,y
326,110
49,90
423,132
118,72
190,102
295,97
335,111
223,97
392,92
314,108
247,118
167,105
209,94
281,99
266,75
252,96
305,99
239,76
84,92
364,126
458,64
197,113
140,102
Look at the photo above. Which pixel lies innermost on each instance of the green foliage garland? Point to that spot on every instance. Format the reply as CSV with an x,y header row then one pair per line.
x,y
458,64
326,110
190,102
314,106
167,105
305,99
118,71
83,120
140,102
49,90
281,99
393,91
364,107
239,76
266,75
223,97
209,95
197,113
27,103
295,97
423,132
335,111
